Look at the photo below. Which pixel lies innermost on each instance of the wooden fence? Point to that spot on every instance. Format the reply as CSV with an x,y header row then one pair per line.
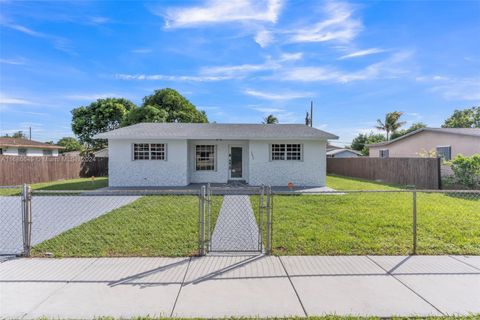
x,y
16,170
419,172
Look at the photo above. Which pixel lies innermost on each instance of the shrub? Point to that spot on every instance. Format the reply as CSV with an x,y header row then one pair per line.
x,y
466,170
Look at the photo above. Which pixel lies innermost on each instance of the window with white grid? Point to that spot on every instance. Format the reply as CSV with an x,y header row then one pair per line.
x,y
205,157
286,152
157,151
149,151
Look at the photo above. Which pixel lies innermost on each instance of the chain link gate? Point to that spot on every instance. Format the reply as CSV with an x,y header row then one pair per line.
x,y
235,219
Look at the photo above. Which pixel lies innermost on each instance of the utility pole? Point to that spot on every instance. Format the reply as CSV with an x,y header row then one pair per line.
x,y
30,130
311,113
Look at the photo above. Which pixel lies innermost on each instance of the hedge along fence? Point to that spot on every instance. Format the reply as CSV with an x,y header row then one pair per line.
x,y
419,172
16,170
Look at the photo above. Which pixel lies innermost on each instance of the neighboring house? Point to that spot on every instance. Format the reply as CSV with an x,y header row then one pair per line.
x,y
25,147
331,147
177,154
103,153
343,153
443,142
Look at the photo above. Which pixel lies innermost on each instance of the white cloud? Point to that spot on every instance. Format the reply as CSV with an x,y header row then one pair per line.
x,y
290,56
164,77
220,11
277,95
14,61
266,110
387,68
99,20
6,100
264,38
460,89
361,53
339,25
58,43
236,71
141,50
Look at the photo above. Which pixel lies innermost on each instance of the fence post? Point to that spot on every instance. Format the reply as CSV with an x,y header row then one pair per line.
x,y
414,222
209,218
27,219
269,221
261,209
201,223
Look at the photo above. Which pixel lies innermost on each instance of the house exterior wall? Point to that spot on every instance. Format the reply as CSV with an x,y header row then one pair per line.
x,y
31,152
414,145
311,171
126,172
222,170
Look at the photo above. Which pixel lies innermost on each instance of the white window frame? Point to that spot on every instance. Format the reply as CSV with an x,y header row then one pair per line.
x,y
26,151
284,146
449,152
381,153
214,157
149,151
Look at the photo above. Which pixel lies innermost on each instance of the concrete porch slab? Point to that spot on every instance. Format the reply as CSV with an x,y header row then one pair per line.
x,y
366,295
92,300
422,265
451,294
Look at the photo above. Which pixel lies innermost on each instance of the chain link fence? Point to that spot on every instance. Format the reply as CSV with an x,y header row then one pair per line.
x,y
196,222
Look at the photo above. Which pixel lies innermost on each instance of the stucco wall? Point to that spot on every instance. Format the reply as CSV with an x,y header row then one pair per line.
x,y
31,152
309,172
221,173
426,141
123,171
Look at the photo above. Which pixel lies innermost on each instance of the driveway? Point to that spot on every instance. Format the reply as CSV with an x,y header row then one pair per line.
x,y
51,215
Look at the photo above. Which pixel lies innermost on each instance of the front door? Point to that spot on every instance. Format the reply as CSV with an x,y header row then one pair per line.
x,y
236,162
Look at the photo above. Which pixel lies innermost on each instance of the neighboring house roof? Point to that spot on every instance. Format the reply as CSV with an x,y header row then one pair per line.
x,y
71,154
216,131
25,143
336,151
332,147
458,131
103,153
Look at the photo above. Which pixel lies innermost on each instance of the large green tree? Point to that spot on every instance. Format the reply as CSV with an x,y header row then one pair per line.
x,y
467,118
413,127
145,114
391,123
99,116
70,144
177,107
362,140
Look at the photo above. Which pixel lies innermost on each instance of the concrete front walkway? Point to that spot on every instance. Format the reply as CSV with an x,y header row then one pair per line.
x,y
218,286
236,228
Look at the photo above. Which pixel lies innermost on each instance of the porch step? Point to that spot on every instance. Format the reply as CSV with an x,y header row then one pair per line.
x,y
237,182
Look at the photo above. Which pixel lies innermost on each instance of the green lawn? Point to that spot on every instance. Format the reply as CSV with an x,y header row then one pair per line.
x,y
70,184
346,224
149,226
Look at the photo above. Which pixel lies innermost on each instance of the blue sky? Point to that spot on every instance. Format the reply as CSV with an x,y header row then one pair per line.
x,y
241,60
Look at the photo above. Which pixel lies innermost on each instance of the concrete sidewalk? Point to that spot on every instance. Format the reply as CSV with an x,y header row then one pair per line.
x,y
218,286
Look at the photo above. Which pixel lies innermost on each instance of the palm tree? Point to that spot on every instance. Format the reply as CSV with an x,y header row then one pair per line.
x,y
271,119
391,123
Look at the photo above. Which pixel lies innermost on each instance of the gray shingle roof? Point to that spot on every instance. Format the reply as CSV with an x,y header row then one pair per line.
x,y
216,131
459,131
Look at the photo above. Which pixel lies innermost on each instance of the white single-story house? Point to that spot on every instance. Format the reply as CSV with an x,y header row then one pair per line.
x,y
178,154
25,147
343,153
